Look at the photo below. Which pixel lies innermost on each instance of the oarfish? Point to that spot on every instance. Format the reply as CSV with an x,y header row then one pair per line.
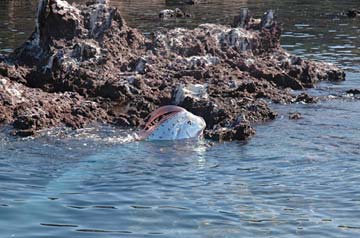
x,y
172,123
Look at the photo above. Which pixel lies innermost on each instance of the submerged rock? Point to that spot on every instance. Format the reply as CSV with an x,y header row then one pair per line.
x,y
177,13
295,116
83,64
353,91
353,13
240,132
182,2
306,98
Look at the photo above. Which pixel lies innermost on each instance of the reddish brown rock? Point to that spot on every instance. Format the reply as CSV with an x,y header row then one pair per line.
x,y
32,109
83,64
240,132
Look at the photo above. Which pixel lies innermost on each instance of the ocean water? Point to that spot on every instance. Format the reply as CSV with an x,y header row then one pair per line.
x,y
293,179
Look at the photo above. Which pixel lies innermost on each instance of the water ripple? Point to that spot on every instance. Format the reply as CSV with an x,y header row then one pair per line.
x,y
295,178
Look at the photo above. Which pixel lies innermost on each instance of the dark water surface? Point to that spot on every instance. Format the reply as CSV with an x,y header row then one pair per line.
x,y
293,179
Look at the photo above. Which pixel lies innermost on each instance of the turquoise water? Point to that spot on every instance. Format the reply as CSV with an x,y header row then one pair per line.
x,y
293,179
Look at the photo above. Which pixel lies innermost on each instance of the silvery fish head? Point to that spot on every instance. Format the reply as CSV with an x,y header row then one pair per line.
x,y
173,123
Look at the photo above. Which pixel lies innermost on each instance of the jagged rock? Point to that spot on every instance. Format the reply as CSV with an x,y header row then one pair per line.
x,y
194,91
243,19
177,13
353,91
166,14
267,21
295,116
306,98
31,109
240,132
353,13
83,64
181,2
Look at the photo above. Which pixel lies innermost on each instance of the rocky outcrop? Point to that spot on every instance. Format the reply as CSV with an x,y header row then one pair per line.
x,y
83,64
30,109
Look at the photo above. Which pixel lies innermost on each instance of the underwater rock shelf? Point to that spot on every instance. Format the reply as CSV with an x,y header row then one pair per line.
x,y
83,64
